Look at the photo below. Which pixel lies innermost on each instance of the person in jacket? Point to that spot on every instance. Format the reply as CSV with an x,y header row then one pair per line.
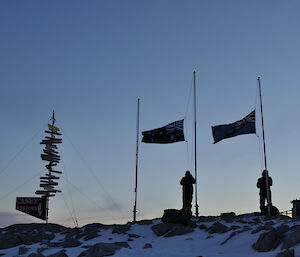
x,y
261,184
187,190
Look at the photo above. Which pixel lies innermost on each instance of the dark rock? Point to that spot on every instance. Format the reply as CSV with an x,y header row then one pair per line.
x,y
134,235
202,226
209,237
178,230
218,228
35,255
228,217
40,250
161,229
121,229
207,219
246,228
147,246
145,222
23,250
189,238
234,227
129,240
260,228
292,237
91,236
287,253
192,224
71,242
93,228
268,241
61,253
104,249
177,216
257,220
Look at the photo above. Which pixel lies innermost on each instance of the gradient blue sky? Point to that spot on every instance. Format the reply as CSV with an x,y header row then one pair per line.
x,y
91,60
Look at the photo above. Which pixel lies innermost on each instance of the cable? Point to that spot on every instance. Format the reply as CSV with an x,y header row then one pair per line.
x,y
69,191
71,214
21,150
92,201
92,172
18,187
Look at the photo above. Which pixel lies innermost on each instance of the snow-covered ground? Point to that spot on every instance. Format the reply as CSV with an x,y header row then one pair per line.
x,y
206,236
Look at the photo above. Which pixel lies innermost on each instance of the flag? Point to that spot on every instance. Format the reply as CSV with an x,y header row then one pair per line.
x,y
243,126
170,133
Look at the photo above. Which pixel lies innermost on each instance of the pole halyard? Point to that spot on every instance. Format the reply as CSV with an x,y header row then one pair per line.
x,y
136,159
265,155
196,198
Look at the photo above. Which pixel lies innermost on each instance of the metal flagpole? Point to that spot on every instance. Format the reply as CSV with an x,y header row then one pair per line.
x,y
136,158
196,202
265,156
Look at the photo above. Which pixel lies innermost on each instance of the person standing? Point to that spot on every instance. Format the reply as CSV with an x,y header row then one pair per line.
x,y
261,184
187,190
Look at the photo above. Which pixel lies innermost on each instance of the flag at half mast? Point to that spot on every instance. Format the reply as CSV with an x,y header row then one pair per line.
x,y
241,127
170,133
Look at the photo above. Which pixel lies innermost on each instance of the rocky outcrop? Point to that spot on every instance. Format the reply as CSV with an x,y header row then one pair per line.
x,y
177,216
268,241
104,249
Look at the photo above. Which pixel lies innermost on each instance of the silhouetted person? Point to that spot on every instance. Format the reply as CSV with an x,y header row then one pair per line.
x,y
261,184
187,190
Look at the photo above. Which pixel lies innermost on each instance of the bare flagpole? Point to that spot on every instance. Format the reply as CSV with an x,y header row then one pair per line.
x,y
136,158
196,202
265,155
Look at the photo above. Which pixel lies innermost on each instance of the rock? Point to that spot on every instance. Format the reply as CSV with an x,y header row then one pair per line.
x,y
91,236
104,249
292,238
177,216
209,237
207,219
23,250
93,228
202,226
192,224
178,230
287,253
61,253
40,250
228,217
147,246
71,242
270,240
35,255
134,235
161,229
218,228
260,228
145,222
121,229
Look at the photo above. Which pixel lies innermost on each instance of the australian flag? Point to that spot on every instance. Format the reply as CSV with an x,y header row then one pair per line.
x,y
170,133
243,126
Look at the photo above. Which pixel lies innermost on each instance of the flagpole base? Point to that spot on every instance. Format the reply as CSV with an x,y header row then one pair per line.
x,y
197,210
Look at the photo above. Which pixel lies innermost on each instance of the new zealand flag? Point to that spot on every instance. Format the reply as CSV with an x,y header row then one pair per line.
x,y
170,133
243,126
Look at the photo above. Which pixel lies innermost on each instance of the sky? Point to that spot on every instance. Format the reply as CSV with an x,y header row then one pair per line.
x,y
91,60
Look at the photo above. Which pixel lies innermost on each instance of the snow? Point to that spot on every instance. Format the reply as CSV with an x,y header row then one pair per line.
x,y
194,244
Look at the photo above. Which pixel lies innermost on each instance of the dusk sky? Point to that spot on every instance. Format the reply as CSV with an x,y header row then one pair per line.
x,y
91,60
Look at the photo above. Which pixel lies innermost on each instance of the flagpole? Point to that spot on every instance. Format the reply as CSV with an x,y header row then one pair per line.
x,y
196,202
136,158
265,155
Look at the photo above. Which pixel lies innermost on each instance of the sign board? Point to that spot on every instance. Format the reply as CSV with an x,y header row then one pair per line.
x,y
34,206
